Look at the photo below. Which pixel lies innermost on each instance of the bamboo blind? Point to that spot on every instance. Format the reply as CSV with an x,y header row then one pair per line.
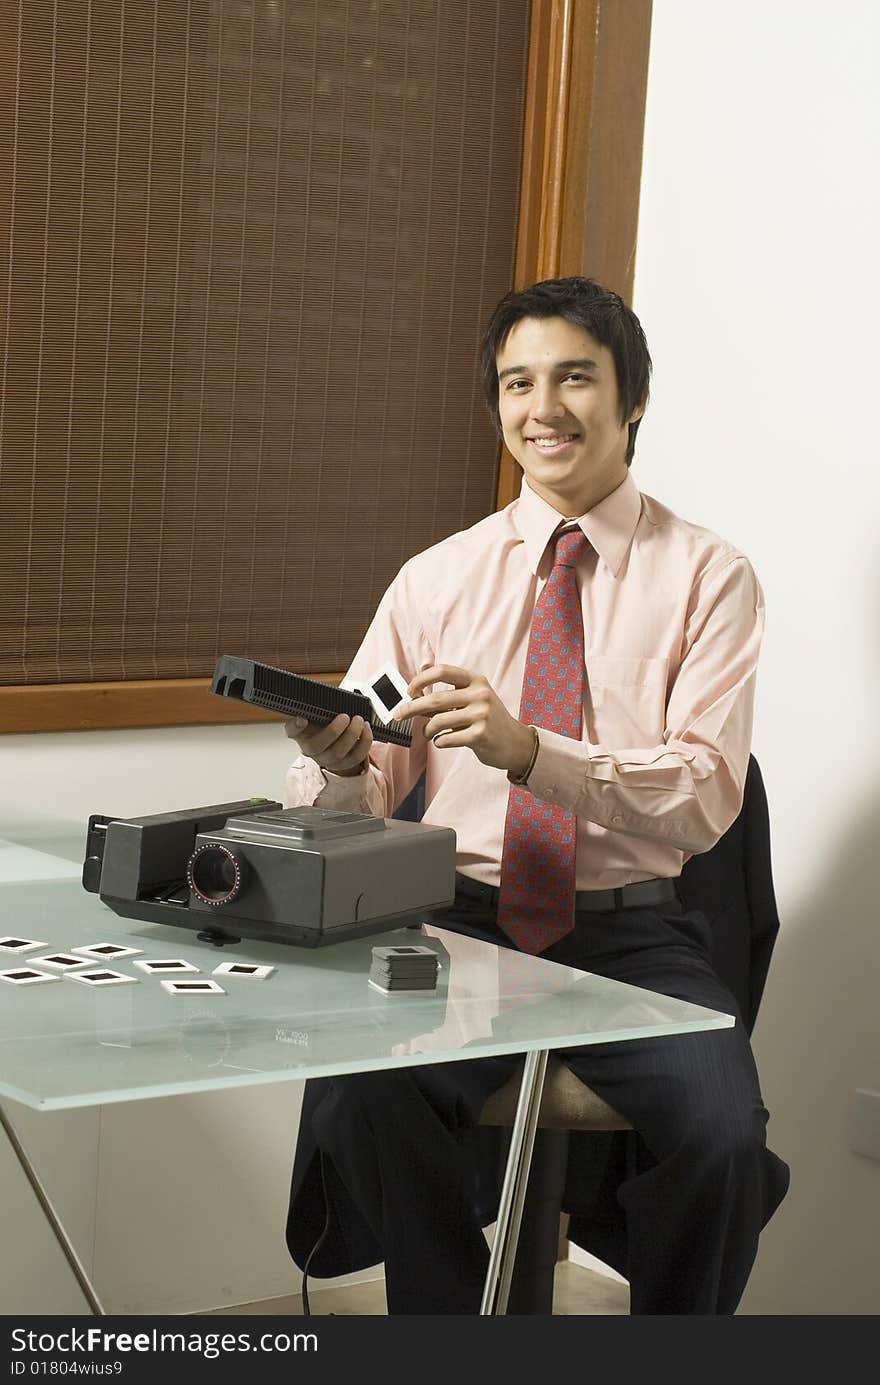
x,y
248,250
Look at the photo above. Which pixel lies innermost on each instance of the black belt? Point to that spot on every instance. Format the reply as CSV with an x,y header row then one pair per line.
x,y
640,895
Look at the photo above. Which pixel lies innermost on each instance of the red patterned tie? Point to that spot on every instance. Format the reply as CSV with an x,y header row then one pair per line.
x,y
536,900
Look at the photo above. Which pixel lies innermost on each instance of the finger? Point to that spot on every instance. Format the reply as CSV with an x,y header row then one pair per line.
x,y
452,737
321,739
439,673
450,699
426,706
445,722
340,748
294,727
359,752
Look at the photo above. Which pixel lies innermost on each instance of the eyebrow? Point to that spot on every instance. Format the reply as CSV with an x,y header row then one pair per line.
x,y
583,361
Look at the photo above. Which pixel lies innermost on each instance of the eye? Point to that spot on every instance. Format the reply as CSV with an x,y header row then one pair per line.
x,y
512,386
578,376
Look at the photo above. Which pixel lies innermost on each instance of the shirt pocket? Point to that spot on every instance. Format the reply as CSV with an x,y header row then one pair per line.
x,y
625,703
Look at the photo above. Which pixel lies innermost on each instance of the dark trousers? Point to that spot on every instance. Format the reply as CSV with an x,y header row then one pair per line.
x,y
397,1142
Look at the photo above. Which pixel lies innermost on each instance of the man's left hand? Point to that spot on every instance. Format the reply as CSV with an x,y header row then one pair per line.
x,y
470,713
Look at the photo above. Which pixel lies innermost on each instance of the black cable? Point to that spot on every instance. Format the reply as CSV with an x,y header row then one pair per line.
x,y
305,1291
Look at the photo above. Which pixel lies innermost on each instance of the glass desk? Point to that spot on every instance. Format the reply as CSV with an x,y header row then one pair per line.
x,y
63,1044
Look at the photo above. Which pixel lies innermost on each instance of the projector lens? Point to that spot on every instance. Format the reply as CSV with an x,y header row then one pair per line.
x,y
216,874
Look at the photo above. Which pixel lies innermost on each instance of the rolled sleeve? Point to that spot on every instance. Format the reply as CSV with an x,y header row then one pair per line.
x,y
687,790
307,784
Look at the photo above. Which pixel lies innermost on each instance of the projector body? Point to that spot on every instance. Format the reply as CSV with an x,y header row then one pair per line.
x,y
305,876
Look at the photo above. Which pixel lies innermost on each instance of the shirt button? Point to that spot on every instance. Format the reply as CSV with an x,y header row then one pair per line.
x,y
617,817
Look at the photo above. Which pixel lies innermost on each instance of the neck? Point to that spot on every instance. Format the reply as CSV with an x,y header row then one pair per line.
x,y
573,506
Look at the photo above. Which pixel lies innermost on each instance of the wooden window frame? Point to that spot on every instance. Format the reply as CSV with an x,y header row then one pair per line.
x,y
581,172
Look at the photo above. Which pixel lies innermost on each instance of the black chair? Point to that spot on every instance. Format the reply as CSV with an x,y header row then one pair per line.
x,y
732,885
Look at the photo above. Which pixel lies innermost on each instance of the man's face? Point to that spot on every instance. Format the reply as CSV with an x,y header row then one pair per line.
x,y
560,414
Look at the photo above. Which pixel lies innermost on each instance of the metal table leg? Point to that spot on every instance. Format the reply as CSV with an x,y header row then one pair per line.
x,y
513,1192
501,1262
51,1216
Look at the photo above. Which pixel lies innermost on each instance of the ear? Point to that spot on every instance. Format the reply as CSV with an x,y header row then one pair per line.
x,y
637,412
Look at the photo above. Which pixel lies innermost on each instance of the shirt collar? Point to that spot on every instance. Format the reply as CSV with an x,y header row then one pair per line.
x,y
609,526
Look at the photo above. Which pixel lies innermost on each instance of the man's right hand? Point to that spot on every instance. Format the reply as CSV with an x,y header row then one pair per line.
x,y
342,746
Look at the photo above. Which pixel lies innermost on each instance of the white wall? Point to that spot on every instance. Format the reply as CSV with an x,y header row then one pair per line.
x,y
68,775
756,282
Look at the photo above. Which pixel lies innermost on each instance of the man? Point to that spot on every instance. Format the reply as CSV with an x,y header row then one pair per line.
x,y
582,668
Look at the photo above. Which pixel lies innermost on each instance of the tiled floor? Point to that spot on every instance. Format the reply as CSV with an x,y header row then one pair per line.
x,y
578,1292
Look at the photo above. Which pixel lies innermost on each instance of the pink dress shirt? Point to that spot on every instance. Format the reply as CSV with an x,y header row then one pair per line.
x,y
673,619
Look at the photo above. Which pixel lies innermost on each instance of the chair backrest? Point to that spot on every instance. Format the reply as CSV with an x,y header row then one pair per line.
x,y
413,806
732,884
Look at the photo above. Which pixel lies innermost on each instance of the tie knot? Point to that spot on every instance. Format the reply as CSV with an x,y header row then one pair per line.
x,y
569,547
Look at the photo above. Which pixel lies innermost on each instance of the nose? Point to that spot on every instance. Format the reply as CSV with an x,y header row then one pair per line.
x,y
545,401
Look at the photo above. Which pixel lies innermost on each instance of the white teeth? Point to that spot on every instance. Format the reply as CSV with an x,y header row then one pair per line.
x,y
553,442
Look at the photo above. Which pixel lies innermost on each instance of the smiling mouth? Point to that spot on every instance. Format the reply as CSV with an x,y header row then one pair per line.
x,y
553,442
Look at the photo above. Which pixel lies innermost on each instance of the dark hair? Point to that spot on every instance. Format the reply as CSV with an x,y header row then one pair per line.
x,y
586,304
